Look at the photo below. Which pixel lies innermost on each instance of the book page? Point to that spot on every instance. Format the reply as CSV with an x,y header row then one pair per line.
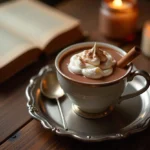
x,y
36,21
11,46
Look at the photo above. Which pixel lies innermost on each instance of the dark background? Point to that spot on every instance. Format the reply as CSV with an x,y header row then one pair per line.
x,y
49,2
54,2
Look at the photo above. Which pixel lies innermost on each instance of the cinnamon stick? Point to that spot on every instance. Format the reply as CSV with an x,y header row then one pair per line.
x,y
129,57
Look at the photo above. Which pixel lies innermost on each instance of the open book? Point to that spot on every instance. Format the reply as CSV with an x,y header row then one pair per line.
x,y
28,28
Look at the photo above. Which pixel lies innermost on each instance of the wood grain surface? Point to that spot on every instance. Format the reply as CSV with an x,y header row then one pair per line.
x,y
33,136
19,131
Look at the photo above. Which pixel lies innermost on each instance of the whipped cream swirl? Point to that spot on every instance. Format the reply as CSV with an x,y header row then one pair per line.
x,y
93,63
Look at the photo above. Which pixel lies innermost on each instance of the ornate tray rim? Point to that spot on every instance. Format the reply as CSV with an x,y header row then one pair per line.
x,y
33,111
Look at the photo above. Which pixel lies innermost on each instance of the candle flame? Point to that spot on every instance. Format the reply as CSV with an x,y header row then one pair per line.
x,y
117,3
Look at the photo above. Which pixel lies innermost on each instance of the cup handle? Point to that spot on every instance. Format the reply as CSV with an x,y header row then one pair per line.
x,y
130,78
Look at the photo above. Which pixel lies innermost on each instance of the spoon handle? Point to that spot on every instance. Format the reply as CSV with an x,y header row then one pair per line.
x,y
61,114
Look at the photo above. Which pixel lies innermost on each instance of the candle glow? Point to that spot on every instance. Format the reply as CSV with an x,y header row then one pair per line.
x,y
118,19
117,3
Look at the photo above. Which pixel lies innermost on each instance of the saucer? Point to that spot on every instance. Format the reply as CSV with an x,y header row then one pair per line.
x,y
129,117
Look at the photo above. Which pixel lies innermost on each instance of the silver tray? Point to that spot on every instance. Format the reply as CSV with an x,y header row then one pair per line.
x,y
129,117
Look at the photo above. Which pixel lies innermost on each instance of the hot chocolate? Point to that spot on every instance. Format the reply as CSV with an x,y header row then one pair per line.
x,y
116,74
90,96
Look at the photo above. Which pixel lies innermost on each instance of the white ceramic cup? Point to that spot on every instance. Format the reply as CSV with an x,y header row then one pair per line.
x,y
96,98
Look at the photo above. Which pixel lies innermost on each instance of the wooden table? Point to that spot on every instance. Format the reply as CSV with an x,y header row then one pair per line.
x,y
18,130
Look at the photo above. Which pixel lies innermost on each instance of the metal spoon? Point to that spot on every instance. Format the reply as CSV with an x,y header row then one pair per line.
x,y
50,88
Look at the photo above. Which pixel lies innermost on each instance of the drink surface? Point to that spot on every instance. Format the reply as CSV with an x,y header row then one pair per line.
x,y
117,73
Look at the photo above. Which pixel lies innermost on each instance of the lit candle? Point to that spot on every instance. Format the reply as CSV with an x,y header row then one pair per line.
x,y
119,4
118,19
146,39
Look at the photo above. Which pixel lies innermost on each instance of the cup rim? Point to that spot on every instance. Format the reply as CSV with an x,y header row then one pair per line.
x,y
86,44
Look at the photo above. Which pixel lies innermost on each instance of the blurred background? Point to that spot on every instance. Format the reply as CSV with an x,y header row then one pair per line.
x,y
54,2
49,2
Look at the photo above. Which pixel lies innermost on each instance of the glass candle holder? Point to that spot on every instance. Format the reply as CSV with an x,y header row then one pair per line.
x,y
145,43
118,18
